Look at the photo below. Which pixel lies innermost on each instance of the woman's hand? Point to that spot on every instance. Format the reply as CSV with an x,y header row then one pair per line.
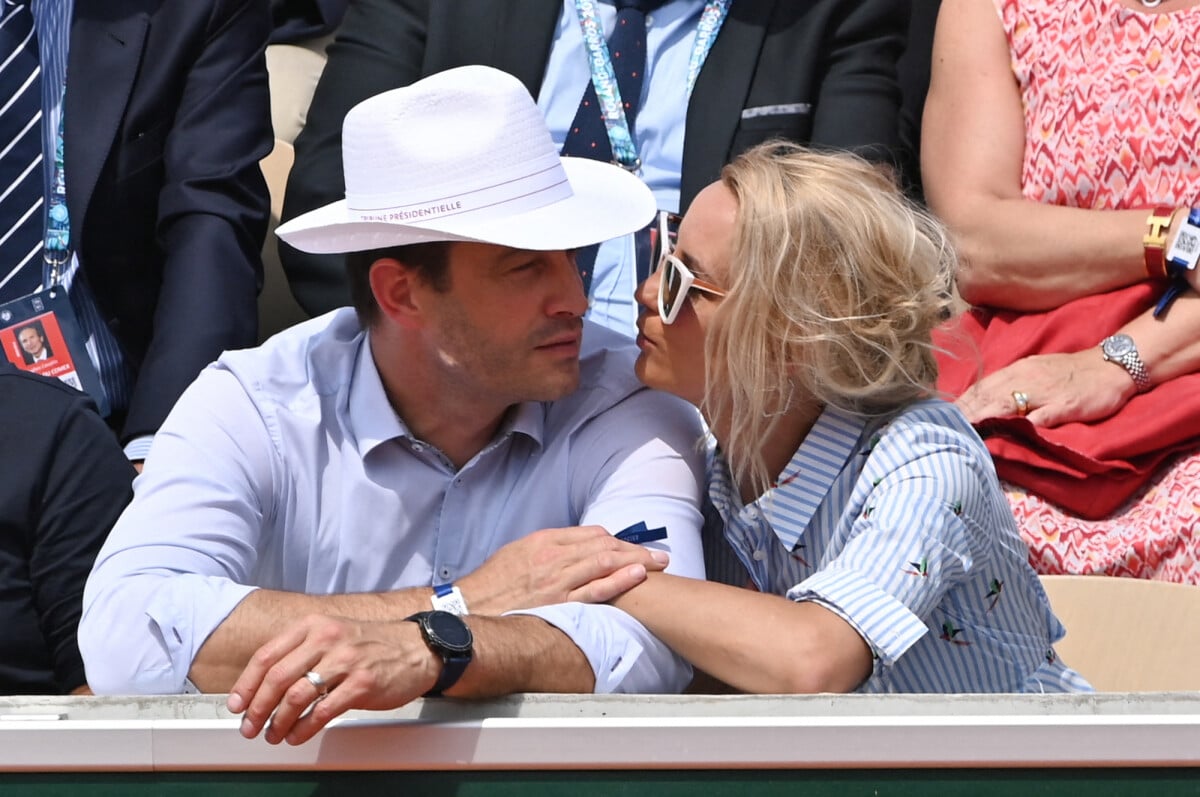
x,y
1061,388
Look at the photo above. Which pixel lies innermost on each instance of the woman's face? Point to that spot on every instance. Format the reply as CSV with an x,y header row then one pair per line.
x,y
672,357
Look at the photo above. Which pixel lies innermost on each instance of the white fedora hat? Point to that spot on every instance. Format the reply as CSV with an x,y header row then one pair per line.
x,y
464,155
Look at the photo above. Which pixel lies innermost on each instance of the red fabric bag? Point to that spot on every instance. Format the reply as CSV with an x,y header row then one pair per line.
x,y
1089,469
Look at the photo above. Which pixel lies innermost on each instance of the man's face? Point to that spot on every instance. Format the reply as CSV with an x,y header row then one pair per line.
x,y
31,341
508,327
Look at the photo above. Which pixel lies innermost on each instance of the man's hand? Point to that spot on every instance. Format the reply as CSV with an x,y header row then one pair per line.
x,y
580,563
363,664
1062,388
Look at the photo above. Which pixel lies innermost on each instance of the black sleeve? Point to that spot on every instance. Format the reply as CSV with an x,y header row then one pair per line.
x,y
87,485
858,106
380,46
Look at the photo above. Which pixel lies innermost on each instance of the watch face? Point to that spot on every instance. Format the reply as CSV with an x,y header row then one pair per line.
x,y
1117,346
449,631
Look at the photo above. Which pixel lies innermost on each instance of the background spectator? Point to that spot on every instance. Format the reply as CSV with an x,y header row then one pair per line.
x,y
139,184
822,72
65,483
1053,131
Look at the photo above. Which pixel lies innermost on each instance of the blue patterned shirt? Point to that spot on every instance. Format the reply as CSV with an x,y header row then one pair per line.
x,y
898,525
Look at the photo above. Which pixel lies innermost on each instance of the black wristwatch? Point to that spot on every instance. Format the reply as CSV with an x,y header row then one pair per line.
x,y
449,637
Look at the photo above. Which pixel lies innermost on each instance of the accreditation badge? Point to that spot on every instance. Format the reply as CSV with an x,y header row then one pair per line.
x,y
40,333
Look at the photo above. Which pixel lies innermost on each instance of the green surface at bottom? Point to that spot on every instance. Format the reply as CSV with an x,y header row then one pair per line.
x,y
741,783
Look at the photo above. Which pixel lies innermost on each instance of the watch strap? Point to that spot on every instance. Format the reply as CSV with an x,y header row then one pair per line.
x,y
1131,361
453,667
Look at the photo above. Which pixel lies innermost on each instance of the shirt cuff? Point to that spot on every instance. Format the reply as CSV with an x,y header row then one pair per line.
x,y
183,626
887,625
138,448
624,656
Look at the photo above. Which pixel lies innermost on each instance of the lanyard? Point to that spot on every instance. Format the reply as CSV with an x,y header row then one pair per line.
x,y
604,77
55,251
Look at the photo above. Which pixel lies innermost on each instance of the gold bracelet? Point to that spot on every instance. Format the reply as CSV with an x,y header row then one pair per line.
x,y
1154,242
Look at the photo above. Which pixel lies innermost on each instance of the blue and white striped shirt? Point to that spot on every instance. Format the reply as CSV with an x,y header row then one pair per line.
x,y
898,525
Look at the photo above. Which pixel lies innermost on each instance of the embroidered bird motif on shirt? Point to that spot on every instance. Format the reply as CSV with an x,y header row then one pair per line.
x,y
920,568
994,589
874,441
950,634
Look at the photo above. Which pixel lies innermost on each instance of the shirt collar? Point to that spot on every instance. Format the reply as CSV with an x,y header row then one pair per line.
x,y
371,415
799,490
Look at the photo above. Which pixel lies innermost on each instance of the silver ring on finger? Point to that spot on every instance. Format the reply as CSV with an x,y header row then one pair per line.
x,y
314,678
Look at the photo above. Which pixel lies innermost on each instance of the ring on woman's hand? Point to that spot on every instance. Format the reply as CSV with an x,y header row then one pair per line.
x,y
1021,399
318,682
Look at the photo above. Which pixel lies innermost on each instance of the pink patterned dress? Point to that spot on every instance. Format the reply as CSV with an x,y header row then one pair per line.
x,y
1112,119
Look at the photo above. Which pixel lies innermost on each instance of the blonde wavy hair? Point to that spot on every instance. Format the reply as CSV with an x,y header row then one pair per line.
x,y
836,282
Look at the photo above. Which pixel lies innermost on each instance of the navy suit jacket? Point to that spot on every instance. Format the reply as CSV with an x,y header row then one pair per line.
x,y
167,115
835,59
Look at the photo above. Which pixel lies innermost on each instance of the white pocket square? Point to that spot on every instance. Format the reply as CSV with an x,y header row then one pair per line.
x,y
777,110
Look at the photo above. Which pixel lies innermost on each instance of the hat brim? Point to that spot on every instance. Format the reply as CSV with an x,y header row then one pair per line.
x,y
606,202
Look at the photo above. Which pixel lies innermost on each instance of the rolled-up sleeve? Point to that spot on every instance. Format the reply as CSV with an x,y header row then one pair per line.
x,y
178,560
625,657
889,627
915,537
640,462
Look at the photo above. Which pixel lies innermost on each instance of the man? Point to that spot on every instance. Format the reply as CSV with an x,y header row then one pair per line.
x,y
359,458
66,484
33,342
133,169
720,76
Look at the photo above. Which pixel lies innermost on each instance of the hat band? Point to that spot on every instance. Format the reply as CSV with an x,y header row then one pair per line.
x,y
516,195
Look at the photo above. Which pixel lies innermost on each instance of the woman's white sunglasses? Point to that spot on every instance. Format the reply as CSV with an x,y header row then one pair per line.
x,y
675,278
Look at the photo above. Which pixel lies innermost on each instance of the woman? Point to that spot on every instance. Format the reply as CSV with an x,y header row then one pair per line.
x,y
796,313
1066,162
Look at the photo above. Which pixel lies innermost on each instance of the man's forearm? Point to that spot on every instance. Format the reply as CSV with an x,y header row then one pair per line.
x,y
263,612
385,665
522,654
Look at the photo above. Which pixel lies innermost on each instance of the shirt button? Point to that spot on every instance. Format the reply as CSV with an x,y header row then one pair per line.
x,y
444,573
649,21
417,448
760,555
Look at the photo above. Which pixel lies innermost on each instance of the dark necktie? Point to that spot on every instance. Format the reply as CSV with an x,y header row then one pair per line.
x,y
22,191
588,135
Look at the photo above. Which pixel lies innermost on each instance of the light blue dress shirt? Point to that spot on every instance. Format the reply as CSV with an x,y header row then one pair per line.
x,y
898,525
286,467
670,36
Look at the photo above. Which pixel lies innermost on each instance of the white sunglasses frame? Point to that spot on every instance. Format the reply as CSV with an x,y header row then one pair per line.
x,y
687,280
